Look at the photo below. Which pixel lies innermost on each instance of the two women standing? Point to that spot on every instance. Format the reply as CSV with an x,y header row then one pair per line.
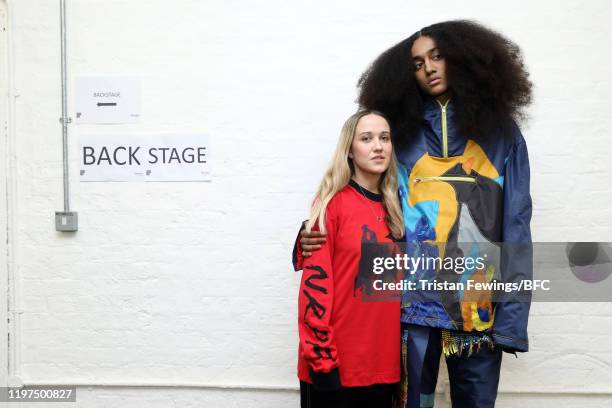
x,y
451,93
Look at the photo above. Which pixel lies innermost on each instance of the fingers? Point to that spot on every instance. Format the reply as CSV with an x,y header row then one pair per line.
x,y
312,234
310,248
313,241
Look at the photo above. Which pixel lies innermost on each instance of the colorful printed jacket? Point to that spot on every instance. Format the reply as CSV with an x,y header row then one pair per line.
x,y
461,198
465,198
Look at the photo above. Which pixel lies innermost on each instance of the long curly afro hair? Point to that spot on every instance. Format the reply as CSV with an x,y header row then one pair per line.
x,y
487,78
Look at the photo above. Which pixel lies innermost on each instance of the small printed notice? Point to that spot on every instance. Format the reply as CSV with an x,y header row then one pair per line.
x,y
144,157
108,100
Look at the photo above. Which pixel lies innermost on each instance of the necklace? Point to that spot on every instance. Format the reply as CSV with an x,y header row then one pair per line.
x,y
379,218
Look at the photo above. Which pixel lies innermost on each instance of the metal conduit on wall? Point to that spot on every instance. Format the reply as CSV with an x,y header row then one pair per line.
x,y
65,221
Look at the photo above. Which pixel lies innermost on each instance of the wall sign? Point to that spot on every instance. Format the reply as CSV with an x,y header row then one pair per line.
x,y
144,157
108,100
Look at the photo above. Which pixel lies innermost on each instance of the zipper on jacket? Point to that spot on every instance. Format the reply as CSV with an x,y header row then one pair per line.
x,y
467,179
444,128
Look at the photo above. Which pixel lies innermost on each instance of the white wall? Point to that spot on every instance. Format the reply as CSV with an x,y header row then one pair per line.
x,y
188,287
4,114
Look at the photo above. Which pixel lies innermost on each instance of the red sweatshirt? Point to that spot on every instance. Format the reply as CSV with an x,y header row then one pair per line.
x,y
342,337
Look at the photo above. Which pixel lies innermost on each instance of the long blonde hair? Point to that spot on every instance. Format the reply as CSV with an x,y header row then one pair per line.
x,y
340,171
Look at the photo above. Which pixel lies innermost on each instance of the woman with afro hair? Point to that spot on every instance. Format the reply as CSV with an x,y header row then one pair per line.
x,y
453,93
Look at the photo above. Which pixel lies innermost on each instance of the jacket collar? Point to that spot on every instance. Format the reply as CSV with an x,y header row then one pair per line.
x,y
440,128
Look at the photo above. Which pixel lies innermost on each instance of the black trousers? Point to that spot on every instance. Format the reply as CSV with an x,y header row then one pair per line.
x,y
372,396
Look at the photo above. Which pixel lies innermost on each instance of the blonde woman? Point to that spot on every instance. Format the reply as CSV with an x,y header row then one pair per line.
x,y
349,352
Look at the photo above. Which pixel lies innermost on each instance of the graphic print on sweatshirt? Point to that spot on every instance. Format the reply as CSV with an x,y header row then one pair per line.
x,y
371,248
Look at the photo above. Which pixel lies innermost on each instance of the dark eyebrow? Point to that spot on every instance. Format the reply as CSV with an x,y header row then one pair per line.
x,y
428,52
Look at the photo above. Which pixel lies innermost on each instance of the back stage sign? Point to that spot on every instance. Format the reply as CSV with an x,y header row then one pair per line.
x,y
108,100
155,157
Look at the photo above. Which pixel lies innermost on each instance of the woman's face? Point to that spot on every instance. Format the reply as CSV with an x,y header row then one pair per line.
x,y
429,66
371,148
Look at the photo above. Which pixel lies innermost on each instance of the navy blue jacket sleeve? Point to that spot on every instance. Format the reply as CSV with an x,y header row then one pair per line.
x,y
296,255
512,310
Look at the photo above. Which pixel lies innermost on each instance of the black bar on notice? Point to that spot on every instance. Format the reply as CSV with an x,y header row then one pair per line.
x,y
107,103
